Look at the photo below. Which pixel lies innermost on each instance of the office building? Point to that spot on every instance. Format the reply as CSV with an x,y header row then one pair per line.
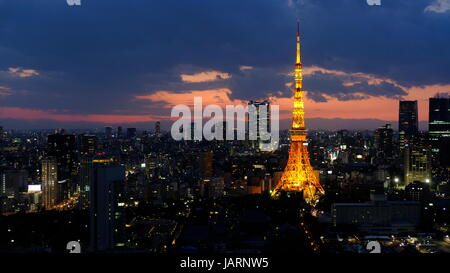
x,y
378,216
108,132
417,160
106,203
262,115
439,130
408,124
62,148
87,144
131,133
158,129
383,140
49,178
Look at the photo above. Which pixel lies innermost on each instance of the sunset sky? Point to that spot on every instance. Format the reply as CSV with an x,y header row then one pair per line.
x,y
111,62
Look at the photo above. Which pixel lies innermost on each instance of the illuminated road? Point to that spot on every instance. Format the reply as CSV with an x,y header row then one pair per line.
x,y
65,205
68,203
309,238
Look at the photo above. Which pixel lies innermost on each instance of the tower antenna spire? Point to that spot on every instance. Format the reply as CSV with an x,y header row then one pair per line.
x,y
298,59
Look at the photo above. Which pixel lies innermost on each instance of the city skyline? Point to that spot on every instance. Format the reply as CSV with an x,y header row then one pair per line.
x,y
90,73
357,171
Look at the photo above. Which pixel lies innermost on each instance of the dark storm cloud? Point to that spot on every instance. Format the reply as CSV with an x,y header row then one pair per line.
x,y
257,83
96,58
104,50
319,84
397,40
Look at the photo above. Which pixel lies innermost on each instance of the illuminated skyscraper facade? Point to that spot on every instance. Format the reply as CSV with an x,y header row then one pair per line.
x,y
439,130
262,119
87,144
417,160
408,124
49,178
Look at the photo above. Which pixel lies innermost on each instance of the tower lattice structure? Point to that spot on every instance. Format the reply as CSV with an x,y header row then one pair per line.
x,y
299,175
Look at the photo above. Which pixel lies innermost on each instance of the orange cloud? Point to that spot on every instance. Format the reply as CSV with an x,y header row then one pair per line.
x,y
367,108
22,73
245,67
206,76
219,97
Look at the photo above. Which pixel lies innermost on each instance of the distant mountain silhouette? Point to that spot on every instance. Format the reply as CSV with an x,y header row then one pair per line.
x,y
311,124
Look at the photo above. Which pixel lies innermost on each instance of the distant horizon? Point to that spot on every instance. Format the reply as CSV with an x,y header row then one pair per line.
x,y
315,124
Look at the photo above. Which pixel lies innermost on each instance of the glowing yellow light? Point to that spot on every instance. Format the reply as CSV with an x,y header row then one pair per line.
x,y
299,174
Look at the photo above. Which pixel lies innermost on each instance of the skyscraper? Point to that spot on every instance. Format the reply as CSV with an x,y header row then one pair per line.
x,y
62,148
131,133
119,132
106,195
439,130
299,174
108,132
417,160
262,120
12,182
49,177
87,144
408,124
158,129
383,140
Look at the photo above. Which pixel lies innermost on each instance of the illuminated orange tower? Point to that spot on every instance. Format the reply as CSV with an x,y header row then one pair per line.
x,y
298,174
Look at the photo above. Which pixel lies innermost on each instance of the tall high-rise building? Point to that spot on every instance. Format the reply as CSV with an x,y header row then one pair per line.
x,y
108,132
131,133
158,129
262,122
417,160
119,132
62,148
408,124
383,140
87,144
49,178
206,164
12,183
439,130
106,203
299,174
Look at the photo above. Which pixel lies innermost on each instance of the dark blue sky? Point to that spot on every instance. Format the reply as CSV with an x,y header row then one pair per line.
x,y
87,65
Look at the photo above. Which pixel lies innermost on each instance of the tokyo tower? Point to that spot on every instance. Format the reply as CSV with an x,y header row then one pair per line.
x,y
298,174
